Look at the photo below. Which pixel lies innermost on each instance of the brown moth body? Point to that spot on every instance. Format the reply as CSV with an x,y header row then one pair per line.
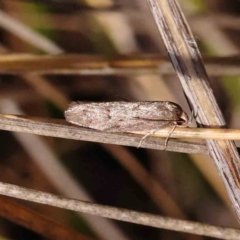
x,y
126,116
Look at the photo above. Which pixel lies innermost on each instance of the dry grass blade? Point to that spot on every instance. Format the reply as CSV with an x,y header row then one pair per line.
x,y
59,128
118,213
79,64
199,133
188,64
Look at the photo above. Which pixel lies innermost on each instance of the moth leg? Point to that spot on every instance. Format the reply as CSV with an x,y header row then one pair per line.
x,y
145,136
167,139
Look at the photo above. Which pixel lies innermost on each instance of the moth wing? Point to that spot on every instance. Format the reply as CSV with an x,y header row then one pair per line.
x,y
157,111
88,115
136,125
123,116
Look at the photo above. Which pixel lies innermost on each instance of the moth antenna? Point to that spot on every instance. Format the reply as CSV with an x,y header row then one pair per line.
x,y
124,99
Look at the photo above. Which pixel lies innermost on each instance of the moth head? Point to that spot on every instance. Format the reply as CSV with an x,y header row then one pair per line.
x,y
183,121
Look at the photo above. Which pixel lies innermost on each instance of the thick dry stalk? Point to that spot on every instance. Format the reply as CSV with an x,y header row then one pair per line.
x,y
186,59
118,213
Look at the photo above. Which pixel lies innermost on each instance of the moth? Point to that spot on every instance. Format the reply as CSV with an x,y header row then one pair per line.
x,y
126,116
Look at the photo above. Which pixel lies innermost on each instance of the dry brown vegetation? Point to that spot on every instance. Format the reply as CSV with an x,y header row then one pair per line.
x,y
55,52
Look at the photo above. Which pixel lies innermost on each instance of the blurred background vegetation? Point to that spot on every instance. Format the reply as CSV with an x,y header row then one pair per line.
x,y
169,184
